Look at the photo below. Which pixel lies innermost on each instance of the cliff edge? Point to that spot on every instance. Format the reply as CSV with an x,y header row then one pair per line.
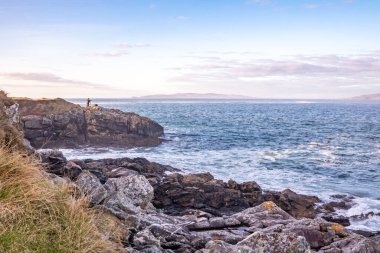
x,y
56,123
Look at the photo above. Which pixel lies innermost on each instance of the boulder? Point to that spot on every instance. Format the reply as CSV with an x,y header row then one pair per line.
x,y
264,215
144,238
53,160
352,244
177,192
130,194
298,205
91,187
260,242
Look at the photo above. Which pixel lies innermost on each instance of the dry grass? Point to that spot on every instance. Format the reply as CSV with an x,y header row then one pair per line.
x,y
37,216
5,100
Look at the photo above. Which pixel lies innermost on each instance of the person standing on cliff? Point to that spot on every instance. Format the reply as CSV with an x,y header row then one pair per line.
x,y
88,102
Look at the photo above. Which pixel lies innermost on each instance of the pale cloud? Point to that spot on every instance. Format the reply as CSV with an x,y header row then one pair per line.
x,y
47,80
131,45
349,86
312,6
259,2
181,18
345,70
110,53
120,49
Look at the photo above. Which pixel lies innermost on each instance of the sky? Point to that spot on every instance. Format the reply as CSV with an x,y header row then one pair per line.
x,y
124,48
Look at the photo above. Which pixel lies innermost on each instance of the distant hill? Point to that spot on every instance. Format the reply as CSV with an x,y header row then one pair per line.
x,y
368,97
195,96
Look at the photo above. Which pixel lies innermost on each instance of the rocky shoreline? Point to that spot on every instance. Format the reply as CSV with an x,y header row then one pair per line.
x,y
164,210
160,209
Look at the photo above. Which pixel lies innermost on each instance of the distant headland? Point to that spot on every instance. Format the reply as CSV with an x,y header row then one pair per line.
x,y
375,96
194,96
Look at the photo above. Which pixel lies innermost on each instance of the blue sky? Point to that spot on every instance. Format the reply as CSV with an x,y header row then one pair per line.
x,y
123,48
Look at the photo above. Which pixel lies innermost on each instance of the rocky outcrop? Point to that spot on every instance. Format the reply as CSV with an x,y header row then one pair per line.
x,y
58,124
177,192
297,205
11,135
165,211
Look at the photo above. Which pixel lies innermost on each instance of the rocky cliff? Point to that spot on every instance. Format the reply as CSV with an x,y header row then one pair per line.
x,y
59,124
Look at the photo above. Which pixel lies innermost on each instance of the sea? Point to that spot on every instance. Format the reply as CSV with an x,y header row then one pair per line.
x,y
315,147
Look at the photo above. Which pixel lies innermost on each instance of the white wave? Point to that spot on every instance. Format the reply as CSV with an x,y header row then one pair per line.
x,y
363,206
241,165
304,102
313,143
371,224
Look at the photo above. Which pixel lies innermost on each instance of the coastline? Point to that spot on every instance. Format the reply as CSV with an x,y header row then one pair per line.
x,y
345,206
358,209
69,112
166,210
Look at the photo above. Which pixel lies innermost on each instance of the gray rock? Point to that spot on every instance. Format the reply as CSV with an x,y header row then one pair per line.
x,y
199,239
265,214
313,231
57,180
91,187
130,194
121,172
53,161
260,242
32,122
144,238
352,244
297,205
218,246
72,170
275,242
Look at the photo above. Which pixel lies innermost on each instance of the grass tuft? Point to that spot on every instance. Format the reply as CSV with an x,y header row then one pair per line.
x,y
38,216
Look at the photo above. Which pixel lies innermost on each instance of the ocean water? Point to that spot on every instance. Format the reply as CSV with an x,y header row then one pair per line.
x,y
312,147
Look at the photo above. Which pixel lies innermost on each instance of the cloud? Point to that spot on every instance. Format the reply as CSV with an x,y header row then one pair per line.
x,y
120,49
259,2
181,18
49,79
349,86
345,70
311,6
133,45
110,54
